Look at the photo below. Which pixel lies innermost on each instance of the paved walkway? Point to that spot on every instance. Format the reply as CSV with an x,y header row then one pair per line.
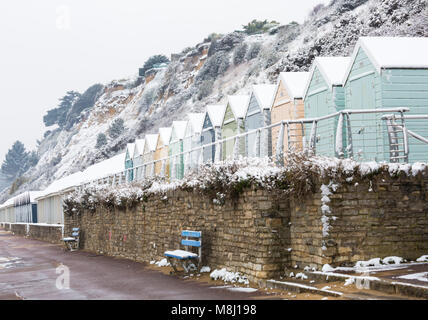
x,y
28,271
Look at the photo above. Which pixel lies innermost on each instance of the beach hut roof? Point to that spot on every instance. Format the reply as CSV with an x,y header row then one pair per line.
x,y
392,52
96,171
165,135
294,83
130,147
264,94
179,128
139,147
62,184
239,105
25,197
196,120
332,69
216,114
105,168
152,141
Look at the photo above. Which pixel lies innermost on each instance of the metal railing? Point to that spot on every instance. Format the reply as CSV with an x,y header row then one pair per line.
x,y
366,134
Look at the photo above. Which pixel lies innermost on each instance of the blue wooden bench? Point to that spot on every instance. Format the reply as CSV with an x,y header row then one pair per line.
x,y
72,243
191,239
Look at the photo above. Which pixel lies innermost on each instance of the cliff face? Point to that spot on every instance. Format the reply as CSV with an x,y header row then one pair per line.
x,y
212,70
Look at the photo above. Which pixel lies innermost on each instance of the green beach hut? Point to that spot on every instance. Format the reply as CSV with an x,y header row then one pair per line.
x,y
138,159
129,161
388,72
175,148
192,139
233,124
324,95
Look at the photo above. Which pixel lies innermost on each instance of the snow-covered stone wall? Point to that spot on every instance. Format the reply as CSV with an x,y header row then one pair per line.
x,y
246,236
308,213
349,221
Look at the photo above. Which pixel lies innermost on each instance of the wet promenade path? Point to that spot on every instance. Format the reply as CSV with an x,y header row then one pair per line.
x,y
28,271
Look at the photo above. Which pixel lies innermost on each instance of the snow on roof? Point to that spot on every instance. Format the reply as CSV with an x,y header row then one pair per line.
x,y
7,203
104,168
96,171
179,127
216,114
295,83
34,195
239,105
62,184
264,94
130,148
393,52
165,135
139,147
152,141
22,198
196,120
332,69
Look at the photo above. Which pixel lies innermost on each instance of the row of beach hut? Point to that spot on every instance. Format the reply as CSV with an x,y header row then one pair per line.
x,y
46,207
382,73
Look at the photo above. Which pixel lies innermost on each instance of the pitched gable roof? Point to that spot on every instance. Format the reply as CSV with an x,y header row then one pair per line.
x,y
294,83
196,120
179,129
151,142
139,147
130,147
332,70
165,135
264,94
239,105
216,114
392,52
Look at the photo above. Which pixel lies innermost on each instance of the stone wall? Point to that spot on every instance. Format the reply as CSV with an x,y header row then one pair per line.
x,y
262,233
43,232
46,233
19,229
375,218
247,236
6,226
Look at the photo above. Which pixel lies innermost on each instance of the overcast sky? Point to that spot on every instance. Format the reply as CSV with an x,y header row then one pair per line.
x,y
49,47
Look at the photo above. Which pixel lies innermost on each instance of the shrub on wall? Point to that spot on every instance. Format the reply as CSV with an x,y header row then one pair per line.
x,y
229,179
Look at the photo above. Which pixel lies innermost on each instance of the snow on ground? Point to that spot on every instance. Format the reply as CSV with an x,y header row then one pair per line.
x,y
205,269
239,289
422,276
227,276
161,263
9,262
301,275
374,264
422,259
